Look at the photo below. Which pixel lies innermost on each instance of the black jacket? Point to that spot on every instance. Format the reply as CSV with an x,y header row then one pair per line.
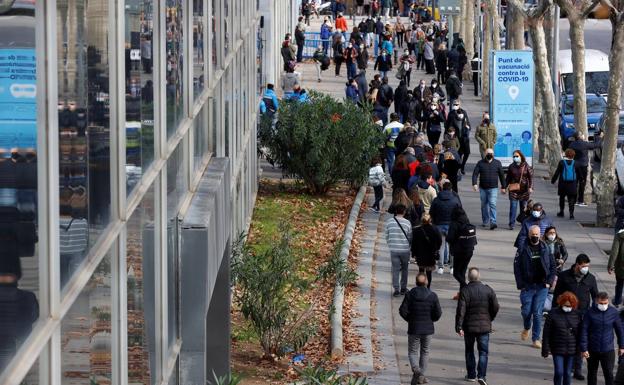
x,y
581,147
566,187
400,179
442,207
523,270
561,333
619,214
20,310
411,109
385,95
426,242
585,290
400,95
299,36
453,87
462,130
420,308
476,309
454,232
488,174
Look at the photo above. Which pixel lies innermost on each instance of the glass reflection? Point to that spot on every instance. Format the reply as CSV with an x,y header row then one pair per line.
x,y
84,128
19,273
213,32
139,89
226,25
175,65
200,136
198,48
141,291
86,332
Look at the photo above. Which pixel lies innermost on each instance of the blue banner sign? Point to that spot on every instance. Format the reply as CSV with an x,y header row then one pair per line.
x,y
18,103
512,89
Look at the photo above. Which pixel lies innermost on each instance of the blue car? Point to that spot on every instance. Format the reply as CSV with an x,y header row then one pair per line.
x,y
596,105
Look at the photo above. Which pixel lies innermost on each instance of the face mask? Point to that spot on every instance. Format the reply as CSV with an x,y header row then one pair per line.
x,y
455,108
585,270
383,54
486,121
551,237
486,117
603,306
489,156
350,46
536,214
451,134
534,240
566,309
434,85
517,159
434,107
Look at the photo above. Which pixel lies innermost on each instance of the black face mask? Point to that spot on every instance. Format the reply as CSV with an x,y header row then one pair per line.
x,y
534,240
486,121
489,156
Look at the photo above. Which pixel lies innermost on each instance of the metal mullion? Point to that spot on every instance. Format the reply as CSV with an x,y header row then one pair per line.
x,y
189,69
207,63
160,103
119,312
162,315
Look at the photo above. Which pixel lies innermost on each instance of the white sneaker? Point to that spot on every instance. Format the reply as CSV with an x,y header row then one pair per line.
x,y
440,270
451,271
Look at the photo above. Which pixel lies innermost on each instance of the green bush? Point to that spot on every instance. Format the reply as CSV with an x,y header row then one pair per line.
x,y
230,379
318,375
323,141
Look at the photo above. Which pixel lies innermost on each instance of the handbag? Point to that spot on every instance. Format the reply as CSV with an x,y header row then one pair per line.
x,y
516,186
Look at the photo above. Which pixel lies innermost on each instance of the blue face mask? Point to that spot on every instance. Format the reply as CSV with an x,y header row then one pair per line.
x,y
517,159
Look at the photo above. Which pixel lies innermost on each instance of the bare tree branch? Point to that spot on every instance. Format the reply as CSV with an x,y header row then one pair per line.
x,y
519,6
540,10
590,8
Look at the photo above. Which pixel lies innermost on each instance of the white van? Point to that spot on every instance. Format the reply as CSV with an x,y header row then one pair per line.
x,y
596,72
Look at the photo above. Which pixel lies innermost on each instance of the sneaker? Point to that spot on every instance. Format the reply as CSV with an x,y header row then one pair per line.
x,y
510,227
484,225
571,216
422,380
560,214
493,226
482,381
396,293
451,271
524,335
440,270
582,204
537,344
468,379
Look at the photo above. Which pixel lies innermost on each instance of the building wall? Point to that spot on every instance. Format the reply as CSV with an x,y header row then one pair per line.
x,y
139,142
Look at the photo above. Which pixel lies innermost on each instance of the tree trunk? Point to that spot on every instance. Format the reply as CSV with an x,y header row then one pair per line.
x,y
577,43
457,27
549,22
485,67
469,37
515,29
606,182
537,122
550,131
495,34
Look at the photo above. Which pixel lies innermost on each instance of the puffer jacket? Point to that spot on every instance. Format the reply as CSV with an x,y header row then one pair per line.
x,y
561,331
442,207
598,328
523,270
420,308
543,222
616,258
476,309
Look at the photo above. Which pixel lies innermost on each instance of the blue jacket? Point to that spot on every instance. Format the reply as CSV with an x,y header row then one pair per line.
x,y
352,94
543,222
387,45
325,32
597,330
522,266
442,207
270,94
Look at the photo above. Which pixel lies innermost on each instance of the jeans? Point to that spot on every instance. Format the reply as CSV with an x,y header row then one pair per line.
x,y
619,285
400,265
488,205
482,341
606,361
325,46
418,344
383,74
300,53
532,299
444,249
513,208
378,196
390,156
563,369
460,266
351,70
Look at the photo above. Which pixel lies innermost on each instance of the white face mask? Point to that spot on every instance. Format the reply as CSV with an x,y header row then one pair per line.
x,y
551,237
536,214
585,270
455,108
603,306
566,309
517,159
434,107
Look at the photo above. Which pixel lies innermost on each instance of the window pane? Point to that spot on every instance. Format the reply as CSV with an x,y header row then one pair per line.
x,y
141,291
139,90
84,128
18,180
198,48
86,332
226,27
216,118
227,89
200,136
175,65
215,29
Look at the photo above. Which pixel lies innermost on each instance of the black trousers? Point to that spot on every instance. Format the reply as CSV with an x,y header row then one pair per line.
x,y
571,202
441,76
434,137
460,266
428,272
338,63
606,361
581,176
400,39
464,151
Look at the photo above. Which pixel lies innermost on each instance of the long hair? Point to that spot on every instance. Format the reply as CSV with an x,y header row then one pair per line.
x,y
399,196
522,157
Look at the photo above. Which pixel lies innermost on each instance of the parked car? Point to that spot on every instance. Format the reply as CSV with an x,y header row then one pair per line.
x,y
600,127
596,105
596,72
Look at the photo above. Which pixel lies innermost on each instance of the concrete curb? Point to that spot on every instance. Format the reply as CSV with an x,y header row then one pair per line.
x,y
336,316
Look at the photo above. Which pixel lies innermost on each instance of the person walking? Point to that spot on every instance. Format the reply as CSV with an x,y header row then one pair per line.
x,y
391,132
351,91
556,246
462,238
581,146
534,271
441,63
376,178
300,39
537,218
441,209
485,178
449,167
362,86
477,308
616,265
288,52
458,119
383,64
326,35
453,87
350,55
398,232
406,62
338,48
560,337
600,324
425,246
400,173
399,30
426,190
321,62
485,134
421,309
428,56
362,58
519,182
341,23
433,120
567,173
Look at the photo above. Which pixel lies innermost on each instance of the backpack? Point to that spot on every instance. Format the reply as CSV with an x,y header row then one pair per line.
x,y
374,179
467,237
568,174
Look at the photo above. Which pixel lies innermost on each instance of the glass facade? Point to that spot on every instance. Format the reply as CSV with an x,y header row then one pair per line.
x,y
111,121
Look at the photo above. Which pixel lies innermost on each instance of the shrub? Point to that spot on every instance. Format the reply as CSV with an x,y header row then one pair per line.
x,y
323,141
318,375
230,379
